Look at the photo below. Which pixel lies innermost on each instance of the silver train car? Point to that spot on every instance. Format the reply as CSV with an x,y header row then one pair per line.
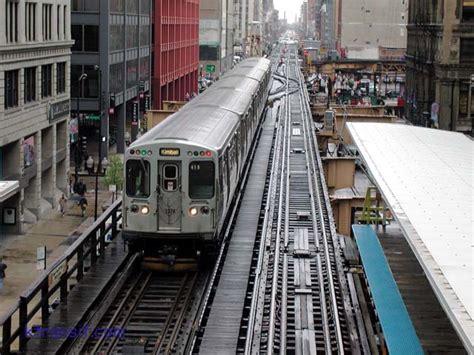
x,y
181,176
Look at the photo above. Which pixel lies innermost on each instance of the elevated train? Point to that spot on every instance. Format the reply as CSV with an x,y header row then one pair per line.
x,y
181,176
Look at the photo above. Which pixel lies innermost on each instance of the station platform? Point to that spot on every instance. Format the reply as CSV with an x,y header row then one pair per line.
x,y
426,178
433,327
398,330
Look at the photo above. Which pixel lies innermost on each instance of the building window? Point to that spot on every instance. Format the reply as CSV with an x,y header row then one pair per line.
x,y
61,77
144,35
64,21
30,84
116,77
47,16
58,17
116,37
86,37
132,73
132,7
132,36
91,38
145,7
468,11
86,5
30,21
467,50
76,33
208,53
11,23
117,6
46,80
11,89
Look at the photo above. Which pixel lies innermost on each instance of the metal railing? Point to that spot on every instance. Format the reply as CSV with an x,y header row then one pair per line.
x,y
72,264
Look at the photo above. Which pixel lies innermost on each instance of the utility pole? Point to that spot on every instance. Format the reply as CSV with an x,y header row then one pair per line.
x,y
79,138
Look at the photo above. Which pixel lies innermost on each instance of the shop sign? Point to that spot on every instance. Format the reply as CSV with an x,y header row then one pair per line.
x,y
58,110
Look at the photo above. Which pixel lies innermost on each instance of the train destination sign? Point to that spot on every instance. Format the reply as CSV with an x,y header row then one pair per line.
x,y
169,152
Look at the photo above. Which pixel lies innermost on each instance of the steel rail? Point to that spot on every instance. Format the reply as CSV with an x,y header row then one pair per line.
x,y
169,318
270,206
273,310
309,142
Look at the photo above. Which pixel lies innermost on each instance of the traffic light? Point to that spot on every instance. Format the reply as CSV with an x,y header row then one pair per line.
x,y
112,105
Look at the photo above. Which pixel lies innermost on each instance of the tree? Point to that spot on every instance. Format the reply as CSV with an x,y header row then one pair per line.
x,y
114,174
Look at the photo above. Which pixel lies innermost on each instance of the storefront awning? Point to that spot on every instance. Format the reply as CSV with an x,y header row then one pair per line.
x,y
8,189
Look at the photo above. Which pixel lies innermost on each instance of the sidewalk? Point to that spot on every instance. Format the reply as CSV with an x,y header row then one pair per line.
x,y
55,232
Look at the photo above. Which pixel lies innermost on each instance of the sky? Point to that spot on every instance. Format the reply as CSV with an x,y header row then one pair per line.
x,y
292,8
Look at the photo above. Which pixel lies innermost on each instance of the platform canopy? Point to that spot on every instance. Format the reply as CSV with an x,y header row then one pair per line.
x,y
426,177
8,189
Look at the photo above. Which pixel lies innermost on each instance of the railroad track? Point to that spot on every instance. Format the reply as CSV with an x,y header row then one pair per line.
x,y
298,302
151,313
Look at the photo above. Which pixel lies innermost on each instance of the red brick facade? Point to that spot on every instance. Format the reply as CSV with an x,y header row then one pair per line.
x,y
176,50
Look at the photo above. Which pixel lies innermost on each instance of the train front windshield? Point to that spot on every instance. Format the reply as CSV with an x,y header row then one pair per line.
x,y
138,178
201,180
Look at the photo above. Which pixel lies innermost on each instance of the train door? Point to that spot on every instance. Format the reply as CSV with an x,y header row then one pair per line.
x,y
169,196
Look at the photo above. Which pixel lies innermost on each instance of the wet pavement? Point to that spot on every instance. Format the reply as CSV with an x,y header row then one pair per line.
x,y
56,232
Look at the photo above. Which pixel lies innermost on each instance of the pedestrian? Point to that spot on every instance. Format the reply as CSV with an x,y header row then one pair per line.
x,y
71,186
83,204
3,266
81,188
62,204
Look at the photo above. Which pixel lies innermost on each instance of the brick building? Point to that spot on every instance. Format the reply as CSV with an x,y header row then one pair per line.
x,y
176,50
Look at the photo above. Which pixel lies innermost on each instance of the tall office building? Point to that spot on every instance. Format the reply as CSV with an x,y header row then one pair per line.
x,y
35,54
216,40
365,26
440,64
176,50
113,46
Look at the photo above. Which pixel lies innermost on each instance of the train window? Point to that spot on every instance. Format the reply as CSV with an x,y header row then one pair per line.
x,y
171,171
138,178
170,182
201,179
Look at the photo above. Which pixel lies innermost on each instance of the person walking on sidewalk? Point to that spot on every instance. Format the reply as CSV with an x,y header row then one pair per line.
x,y
83,204
62,204
3,266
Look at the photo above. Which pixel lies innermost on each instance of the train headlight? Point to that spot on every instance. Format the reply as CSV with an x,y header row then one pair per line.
x,y
134,209
145,209
193,211
205,210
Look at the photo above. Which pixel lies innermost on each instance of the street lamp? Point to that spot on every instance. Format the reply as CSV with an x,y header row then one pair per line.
x,y
97,68
78,145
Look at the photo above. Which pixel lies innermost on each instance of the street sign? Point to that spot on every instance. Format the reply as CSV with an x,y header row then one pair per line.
x,y
210,68
93,117
41,258
57,273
